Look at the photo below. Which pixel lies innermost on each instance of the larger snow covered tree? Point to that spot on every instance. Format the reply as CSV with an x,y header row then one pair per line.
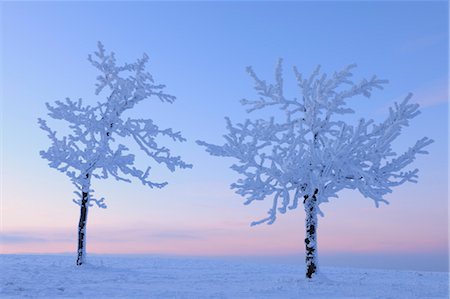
x,y
93,148
309,153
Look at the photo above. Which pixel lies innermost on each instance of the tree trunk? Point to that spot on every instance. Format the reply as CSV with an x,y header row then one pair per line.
x,y
81,252
310,203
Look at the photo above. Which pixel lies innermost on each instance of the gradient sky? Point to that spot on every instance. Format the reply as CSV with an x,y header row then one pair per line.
x,y
200,51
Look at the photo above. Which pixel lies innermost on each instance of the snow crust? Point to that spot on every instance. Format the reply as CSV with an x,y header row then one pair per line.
x,y
126,276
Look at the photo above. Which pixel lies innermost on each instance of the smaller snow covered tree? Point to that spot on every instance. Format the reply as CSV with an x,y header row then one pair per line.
x,y
312,153
93,149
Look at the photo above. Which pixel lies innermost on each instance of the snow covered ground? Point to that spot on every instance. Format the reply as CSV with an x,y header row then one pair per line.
x,y
106,276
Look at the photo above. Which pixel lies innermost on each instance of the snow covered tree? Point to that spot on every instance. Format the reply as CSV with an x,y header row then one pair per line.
x,y
309,153
93,148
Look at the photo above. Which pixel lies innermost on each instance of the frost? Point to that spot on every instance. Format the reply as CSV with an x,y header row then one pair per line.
x,y
92,148
313,154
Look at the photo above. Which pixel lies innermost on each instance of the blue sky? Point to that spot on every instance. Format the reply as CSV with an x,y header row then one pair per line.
x,y
200,51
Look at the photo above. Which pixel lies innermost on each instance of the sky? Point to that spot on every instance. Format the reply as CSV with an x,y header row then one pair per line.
x,y
199,50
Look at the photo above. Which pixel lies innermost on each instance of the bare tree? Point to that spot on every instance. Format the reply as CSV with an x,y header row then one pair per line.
x,y
312,153
93,148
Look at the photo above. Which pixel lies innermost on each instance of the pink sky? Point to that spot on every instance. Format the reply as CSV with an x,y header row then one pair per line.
x,y
197,213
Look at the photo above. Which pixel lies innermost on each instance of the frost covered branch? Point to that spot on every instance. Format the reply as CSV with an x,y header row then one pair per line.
x,y
312,148
92,149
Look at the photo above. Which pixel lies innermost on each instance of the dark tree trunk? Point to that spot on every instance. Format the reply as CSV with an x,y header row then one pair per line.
x,y
81,256
310,203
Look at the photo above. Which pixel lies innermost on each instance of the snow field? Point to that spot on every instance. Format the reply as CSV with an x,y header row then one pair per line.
x,y
127,276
